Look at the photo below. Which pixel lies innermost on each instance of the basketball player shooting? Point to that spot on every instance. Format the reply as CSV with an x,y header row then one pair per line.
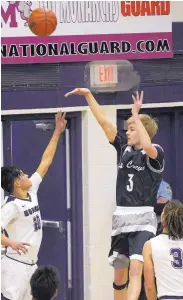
x,y
163,256
139,176
20,217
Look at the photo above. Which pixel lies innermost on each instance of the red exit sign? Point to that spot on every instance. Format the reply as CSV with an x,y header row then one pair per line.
x,y
103,75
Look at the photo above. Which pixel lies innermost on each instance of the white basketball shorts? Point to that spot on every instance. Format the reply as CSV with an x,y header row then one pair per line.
x,y
15,279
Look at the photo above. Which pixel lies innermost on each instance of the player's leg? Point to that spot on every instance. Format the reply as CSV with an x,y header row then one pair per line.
x,y
119,259
142,295
120,283
135,278
30,270
13,279
136,242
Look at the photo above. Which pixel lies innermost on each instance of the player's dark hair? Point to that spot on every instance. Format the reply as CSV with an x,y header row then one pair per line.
x,y
8,175
44,282
173,219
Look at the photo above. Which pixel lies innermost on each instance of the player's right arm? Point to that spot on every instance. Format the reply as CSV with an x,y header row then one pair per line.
x,y
9,213
18,247
110,129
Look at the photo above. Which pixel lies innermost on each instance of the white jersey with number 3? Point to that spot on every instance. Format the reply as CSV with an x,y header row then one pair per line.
x,y
167,257
21,219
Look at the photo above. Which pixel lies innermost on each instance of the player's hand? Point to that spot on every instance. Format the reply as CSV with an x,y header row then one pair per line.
x,y
137,102
19,247
60,122
78,91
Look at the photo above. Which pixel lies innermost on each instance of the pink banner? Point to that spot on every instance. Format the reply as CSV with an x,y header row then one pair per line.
x,y
17,50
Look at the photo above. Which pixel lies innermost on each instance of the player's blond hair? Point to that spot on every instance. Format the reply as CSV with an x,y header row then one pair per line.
x,y
149,123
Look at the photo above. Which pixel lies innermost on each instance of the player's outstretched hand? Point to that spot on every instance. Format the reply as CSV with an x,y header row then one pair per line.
x,y
137,102
78,91
60,121
19,247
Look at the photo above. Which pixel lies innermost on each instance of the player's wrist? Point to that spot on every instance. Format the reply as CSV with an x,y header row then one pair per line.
x,y
88,92
9,243
88,95
58,132
135,114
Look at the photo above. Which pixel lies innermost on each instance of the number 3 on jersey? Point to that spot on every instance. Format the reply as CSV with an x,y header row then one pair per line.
x,y
177,254
129,186
37,223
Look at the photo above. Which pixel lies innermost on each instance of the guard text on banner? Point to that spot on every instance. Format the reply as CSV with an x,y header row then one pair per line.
x,y
87,31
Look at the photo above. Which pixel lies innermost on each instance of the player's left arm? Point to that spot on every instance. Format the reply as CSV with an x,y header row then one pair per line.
x,y
49,153
149,275
145,140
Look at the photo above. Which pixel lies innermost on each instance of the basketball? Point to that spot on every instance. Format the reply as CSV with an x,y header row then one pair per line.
x,y
42,21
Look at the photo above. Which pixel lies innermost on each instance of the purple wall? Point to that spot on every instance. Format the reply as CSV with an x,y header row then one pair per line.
x,y
72,75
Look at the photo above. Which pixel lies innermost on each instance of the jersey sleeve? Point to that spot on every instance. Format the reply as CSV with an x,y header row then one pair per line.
x,y
36,180
120,142
9,212
157,164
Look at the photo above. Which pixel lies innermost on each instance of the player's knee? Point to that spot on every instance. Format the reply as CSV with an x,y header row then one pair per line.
x,y
120,277
136,269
